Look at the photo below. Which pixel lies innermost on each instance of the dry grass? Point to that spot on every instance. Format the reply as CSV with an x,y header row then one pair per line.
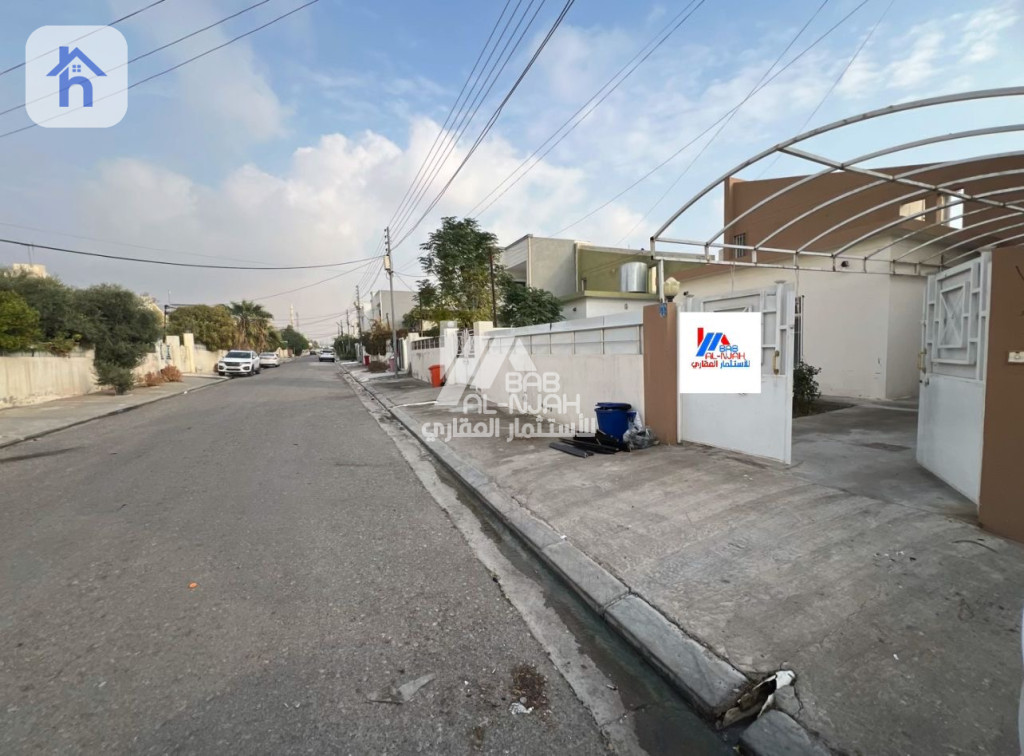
x,y
376,366
171,374
152,379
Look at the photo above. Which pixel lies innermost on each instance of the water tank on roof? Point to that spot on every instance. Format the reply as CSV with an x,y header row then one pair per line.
x,y
633,278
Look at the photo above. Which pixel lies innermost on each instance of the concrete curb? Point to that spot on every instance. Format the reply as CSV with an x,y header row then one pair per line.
x,y
706,681
110,413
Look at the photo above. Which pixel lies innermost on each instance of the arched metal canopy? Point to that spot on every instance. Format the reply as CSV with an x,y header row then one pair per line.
x,y
844,227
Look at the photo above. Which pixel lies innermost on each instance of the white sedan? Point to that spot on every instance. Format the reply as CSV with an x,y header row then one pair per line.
x,y
270,359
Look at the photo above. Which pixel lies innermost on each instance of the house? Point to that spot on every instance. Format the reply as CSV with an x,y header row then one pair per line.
x,y
66,66
380,305
864,248
590,280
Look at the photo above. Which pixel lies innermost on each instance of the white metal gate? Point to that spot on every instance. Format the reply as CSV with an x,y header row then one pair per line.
x,y
954,345
757,424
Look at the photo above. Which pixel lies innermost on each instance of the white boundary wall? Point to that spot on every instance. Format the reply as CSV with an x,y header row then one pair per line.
x,y
595,359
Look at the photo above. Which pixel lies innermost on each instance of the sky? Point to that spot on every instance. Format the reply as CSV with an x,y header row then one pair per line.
x,y
295,145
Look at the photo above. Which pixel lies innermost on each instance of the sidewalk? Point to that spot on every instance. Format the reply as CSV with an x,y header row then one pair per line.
x,y
901,623
19,424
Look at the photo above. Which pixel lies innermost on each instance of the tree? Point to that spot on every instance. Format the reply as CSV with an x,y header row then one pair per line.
x,y
252,325
19,323
345,347
60,323
378,339
459,256
117,323
525,305
294,340
213,326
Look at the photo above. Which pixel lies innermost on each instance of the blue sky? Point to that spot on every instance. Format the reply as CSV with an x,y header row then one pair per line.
x,y
295,145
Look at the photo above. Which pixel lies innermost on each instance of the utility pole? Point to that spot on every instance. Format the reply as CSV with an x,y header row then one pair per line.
x,y
494,301
359,324
391,285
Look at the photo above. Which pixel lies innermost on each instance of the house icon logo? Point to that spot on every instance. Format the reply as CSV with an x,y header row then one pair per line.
x,y
71,62
76,76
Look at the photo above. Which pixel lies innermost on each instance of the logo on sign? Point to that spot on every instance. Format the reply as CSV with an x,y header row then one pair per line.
x,y
727,357
717,351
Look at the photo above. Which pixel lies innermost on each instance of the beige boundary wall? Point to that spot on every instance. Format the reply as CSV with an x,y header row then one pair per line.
x,y
33,378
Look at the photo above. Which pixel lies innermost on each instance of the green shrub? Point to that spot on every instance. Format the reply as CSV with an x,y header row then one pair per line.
x,y
805,387
376,366
118,377
19,323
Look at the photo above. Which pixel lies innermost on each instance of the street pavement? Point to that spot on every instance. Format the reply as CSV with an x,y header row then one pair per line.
x,y
236,571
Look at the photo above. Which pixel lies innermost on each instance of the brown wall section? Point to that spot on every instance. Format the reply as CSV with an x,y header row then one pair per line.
x,y
661,387
993,174
1001,503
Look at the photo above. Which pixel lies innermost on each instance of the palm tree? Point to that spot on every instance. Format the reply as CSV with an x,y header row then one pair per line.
x,y
252,325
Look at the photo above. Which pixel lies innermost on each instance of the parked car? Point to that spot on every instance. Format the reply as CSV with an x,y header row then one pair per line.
x,y
239,362
270,359
326,355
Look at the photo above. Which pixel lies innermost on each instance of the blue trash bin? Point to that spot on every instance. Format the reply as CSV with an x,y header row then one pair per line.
x,y
614,418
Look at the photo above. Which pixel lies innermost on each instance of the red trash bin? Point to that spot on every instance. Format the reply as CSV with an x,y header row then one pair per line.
x,y
435,376
366,360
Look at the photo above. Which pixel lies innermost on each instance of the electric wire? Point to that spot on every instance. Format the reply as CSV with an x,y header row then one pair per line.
x,y
728,120
309,286
125,244
490,81
493,119
725,115
115,22
835,83
151,52
174,67
452,110
625,72
122,258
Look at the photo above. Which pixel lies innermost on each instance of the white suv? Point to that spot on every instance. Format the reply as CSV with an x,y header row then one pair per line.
x,y
326,355
239,362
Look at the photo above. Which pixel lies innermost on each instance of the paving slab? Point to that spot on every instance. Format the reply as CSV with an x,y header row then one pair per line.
x,y
902,621
19,424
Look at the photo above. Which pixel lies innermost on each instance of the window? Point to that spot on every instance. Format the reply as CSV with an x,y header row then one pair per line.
x,y
914,208
953,210
740,240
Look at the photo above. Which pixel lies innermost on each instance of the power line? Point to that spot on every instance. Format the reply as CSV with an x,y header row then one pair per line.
x,y
151,52
493,119
477,103
309,286
115,22
632,64
725,115
33,245
835,83
174,67
448,118
728,119
124,244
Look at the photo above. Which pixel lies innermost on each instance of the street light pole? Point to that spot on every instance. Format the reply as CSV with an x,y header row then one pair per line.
x,y
391,285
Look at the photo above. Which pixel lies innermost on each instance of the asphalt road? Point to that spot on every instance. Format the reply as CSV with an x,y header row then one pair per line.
x,y
235,571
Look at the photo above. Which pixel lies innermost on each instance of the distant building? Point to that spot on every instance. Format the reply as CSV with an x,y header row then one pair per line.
x,y
32,269
380,305
589,279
